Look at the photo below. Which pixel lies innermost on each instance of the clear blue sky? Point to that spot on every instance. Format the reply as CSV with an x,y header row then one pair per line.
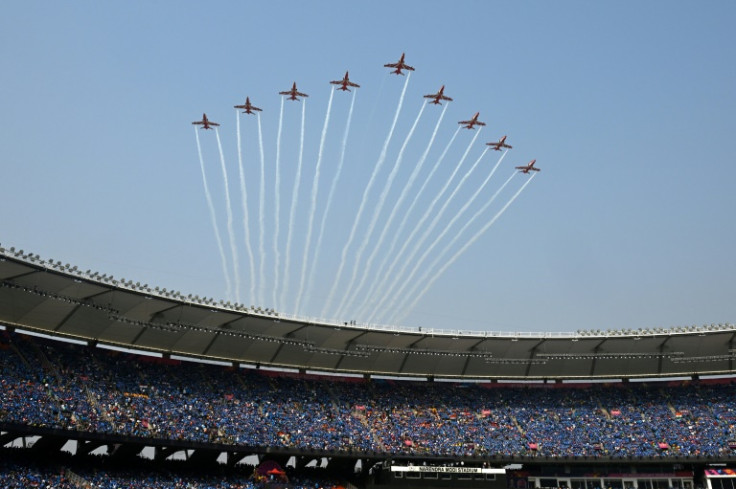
x,y
628,108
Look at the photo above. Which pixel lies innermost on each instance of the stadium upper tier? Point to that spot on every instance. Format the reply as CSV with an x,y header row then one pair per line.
x,y
58,299
74,387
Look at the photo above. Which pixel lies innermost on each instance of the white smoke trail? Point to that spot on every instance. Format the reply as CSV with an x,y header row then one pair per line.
x,y
376,287
447,228
246,215
277,210
292,210
261,218
397,277
404,193
381,159
333,187
374,220
423,238
229,213
213,216
431,281
313,200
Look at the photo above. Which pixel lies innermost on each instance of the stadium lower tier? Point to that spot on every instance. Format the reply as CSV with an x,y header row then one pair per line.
x,y
19,472
60,385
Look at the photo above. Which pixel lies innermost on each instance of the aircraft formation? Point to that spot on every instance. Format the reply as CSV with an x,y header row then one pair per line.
x,y
344,84
398,257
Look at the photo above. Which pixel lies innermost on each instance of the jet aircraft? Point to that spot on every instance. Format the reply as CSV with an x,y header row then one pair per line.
x,y
293,93
344,83
399,65
247,107
528,168
205,123
501,143
438,97
472,122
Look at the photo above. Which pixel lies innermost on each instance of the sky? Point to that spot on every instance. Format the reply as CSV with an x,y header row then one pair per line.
x,y
628,108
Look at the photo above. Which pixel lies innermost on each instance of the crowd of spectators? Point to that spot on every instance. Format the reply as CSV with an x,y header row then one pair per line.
x,y
54,384
17,472
31,476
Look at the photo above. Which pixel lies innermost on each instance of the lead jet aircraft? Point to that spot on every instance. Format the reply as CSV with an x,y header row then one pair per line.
x,y
472,122
501,143
528,168
293,93
205,123
247,107
400,65
345,83
438,96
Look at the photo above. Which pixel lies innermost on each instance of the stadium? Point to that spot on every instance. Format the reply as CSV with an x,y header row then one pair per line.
x,y
405,245
108,378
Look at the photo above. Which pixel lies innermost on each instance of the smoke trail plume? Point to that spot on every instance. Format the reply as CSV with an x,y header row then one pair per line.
x,y
213,217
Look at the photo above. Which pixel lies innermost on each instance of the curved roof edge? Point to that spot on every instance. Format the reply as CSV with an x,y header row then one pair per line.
x,y
61,300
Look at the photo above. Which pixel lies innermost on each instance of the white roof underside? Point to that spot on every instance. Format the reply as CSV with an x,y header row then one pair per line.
x,y
44,297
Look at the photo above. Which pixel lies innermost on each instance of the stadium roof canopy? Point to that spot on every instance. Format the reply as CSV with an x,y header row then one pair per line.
x,y
59,300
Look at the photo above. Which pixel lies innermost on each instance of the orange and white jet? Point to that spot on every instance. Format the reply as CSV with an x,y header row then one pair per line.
x,y
399,65
501,143
344,83
205,123
528,168
247,107
472,122
438,97
293,93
